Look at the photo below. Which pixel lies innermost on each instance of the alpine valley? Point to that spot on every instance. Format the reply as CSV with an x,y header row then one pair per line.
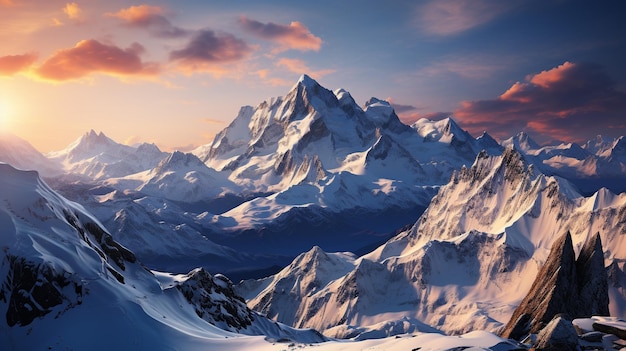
x,y
337,221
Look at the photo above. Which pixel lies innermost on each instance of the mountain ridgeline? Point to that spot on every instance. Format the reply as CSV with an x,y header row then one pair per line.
x,y
338,217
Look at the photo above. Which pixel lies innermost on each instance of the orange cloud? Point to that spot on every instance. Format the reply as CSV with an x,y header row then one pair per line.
x,y
208,51
150,17
6,3
293,36
72,10
13,64
546,79
300,67
92,56
138,14
569,102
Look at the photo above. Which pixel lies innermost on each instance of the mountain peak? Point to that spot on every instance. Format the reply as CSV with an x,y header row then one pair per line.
x,y
93,137
374,101
306,80
521,141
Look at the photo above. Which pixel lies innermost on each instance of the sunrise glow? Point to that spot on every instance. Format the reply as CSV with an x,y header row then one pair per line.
x,y
156,72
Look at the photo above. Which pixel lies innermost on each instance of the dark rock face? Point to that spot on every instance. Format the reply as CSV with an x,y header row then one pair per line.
x,y
558,335
592,279
215,300
577,288
34,290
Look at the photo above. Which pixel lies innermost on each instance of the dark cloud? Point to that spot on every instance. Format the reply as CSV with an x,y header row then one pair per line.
x,y
91,56
399,108
13,64
151,18
209,47
571,102
292,36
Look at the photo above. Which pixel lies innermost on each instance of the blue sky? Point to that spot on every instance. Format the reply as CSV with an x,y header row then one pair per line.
x,y
179,70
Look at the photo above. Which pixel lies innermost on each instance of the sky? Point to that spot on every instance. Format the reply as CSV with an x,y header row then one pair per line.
x,y
175,73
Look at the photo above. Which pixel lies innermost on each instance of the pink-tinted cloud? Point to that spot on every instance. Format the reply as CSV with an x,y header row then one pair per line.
x,y
150,17
293,36
208,50
571,102
92,56
12,64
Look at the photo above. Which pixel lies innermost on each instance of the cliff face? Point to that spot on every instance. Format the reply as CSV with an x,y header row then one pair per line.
x,y
564,285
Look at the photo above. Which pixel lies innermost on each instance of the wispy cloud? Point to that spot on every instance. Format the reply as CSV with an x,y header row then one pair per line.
x,y
468,66
92,56
208,50
451,17
293,36
569,102
151,18
12,64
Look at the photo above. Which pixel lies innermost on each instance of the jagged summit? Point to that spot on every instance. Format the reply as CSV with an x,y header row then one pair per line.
x,y
178,159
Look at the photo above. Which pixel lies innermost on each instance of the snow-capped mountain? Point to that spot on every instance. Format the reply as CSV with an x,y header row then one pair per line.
x,y
178,177
60,267
312,133
320,157
21,154
95,156
464,265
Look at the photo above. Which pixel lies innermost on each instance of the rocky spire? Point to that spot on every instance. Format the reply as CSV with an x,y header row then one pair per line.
x,y
592,279
575,288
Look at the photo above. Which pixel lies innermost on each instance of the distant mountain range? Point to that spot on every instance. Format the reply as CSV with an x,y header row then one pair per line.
x,y
431,228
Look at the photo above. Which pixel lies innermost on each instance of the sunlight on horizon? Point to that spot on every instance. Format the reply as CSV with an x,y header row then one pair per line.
x,y
7,113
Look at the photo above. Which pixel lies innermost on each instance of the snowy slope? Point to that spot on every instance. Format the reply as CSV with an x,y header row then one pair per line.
x,y
466,263
61,268
95,156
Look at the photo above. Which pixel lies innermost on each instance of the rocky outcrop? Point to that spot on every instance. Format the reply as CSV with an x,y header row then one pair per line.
x,y
558,335
33,290
215,300
575,288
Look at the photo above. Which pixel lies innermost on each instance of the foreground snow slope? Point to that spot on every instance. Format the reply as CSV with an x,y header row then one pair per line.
x,y
465,265
65,283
